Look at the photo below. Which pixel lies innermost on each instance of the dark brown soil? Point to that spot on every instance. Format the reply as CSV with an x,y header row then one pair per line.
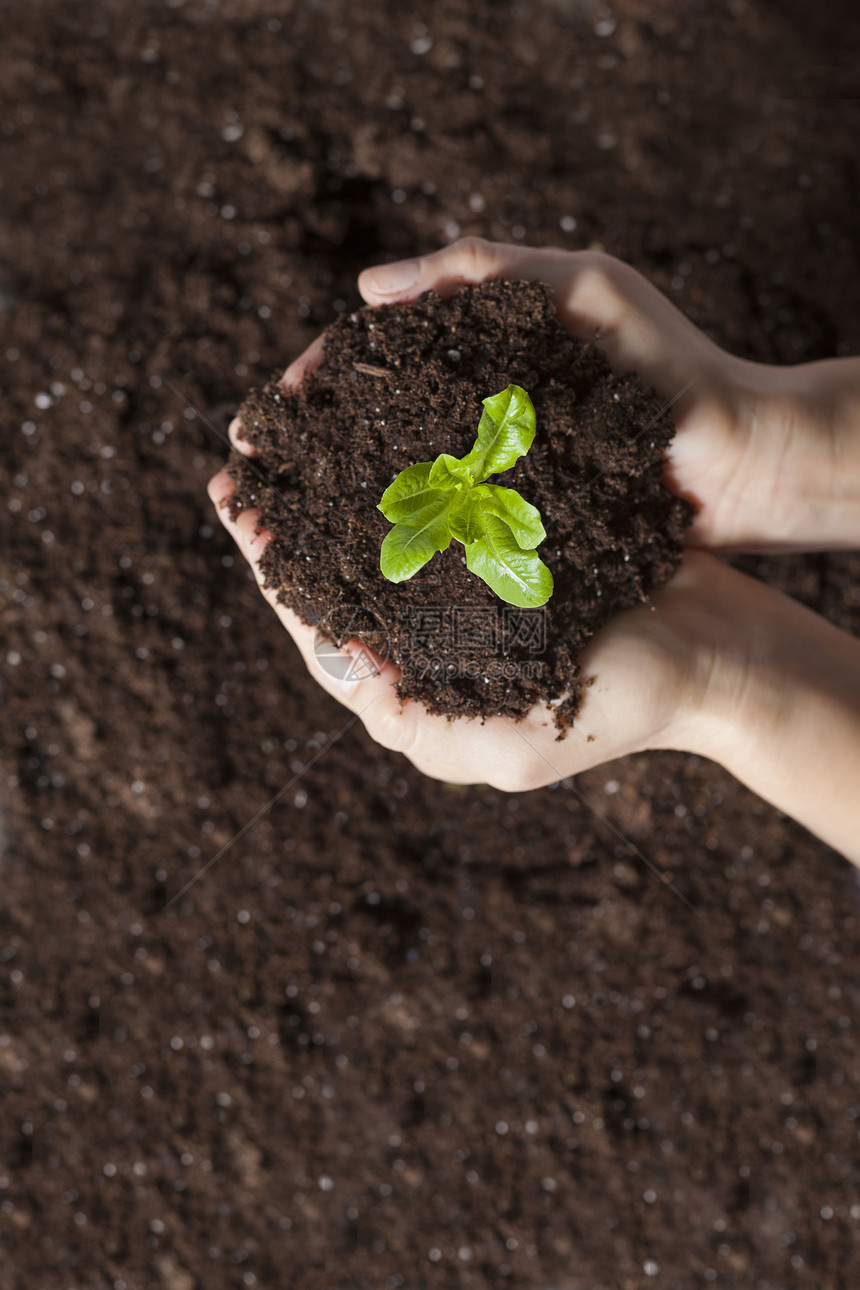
x,y
401,384
518,1057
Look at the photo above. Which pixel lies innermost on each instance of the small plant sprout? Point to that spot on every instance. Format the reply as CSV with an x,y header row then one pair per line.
x,y
434,501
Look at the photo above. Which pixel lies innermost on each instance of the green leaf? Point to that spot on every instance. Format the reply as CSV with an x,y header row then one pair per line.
x,y
467,519
448,471
521,517
516,576
505,433
411,491
415,540
432,502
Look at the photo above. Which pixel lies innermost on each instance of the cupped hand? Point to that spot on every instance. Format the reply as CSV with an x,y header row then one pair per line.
x,y
601,299
770,456
653,669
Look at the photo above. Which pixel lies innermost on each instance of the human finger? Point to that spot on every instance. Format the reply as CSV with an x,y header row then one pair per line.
x,y
306,362
237,438
291,379
354,675
598,298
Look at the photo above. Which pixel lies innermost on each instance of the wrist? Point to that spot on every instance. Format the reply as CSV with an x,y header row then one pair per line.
x,y
707,625
780,710
797,477
735,634
741,706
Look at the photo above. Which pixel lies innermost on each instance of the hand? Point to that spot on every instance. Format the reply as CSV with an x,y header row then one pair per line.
x,y
769,455
653,668
722,666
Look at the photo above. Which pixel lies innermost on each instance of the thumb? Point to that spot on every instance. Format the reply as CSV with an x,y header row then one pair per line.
x,y
598,298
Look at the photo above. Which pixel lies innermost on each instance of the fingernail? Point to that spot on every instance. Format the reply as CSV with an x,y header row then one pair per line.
x,y
391,279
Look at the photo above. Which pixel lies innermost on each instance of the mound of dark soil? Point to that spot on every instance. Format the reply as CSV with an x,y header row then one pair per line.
x,y
402,383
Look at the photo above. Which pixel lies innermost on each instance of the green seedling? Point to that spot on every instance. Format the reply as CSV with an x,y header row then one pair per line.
x,y
434,501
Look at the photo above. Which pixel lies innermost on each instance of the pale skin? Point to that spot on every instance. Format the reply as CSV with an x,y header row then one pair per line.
x,y
720,665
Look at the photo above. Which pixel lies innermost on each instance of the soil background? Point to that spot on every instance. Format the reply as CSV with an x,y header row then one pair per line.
x,y
398,1034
